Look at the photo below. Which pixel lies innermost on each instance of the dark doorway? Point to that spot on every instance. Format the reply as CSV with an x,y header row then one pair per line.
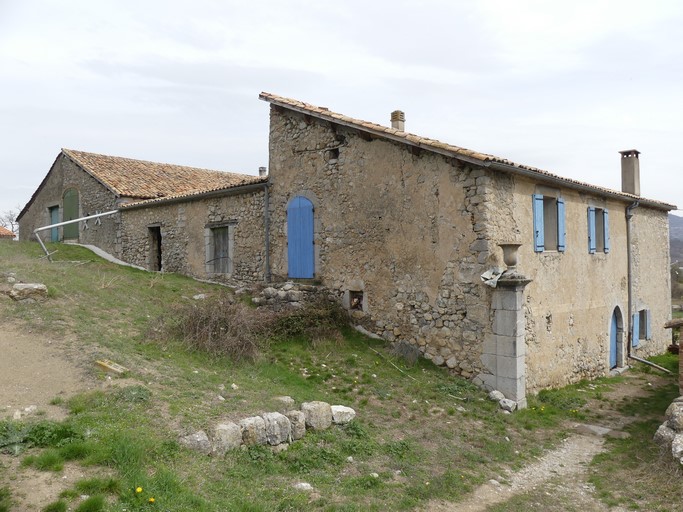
x,y
155,248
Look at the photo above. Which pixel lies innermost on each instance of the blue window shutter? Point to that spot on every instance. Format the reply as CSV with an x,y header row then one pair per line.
x,y
538,222
605,217
561,235
591,230
635,330
648,325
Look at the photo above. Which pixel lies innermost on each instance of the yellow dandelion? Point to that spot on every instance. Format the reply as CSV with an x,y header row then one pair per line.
x,y
151,500
138,490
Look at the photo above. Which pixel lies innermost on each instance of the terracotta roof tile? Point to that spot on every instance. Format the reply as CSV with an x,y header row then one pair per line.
x,y
455,151
5,233
140,179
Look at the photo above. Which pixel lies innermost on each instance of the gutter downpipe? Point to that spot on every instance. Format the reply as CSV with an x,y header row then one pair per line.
x,y
65,223
266,221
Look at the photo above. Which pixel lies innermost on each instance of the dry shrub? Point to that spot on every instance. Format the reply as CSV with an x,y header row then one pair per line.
x,y
219,325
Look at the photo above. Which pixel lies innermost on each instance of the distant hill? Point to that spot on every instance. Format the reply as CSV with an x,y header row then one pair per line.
x,y
676,238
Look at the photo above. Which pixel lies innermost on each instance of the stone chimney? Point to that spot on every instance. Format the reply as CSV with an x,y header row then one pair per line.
x,y
398,120
630,172
262,171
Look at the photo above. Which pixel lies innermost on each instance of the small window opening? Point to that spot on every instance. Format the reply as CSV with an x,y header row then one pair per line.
x,y
333,154
356,300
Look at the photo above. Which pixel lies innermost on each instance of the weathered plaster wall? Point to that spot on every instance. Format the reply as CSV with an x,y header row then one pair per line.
x,y
183,246
408,228
569,303
651,275
93,198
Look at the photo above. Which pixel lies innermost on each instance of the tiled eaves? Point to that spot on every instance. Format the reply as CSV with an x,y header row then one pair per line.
x,y
241,187
140,179
467,155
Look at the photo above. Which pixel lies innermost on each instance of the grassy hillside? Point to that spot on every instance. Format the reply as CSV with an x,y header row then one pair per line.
x,y
420,434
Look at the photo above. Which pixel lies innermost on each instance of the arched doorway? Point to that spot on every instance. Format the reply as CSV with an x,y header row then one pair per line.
x,y
615,335
300,240
70,212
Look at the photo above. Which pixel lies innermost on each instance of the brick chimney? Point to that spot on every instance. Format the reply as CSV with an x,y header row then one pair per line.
x,y
398,120
630,172
262,171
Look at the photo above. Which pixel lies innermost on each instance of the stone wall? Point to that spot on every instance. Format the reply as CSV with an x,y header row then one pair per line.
x,y
93,198
406,228
651,276
183,235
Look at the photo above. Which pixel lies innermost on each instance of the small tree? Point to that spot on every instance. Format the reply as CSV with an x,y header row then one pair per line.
x,y
8,219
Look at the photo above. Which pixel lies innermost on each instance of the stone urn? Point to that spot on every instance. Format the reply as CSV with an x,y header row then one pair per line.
x,y
510,255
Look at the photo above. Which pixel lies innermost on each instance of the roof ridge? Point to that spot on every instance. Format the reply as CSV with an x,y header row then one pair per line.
x,y
468,155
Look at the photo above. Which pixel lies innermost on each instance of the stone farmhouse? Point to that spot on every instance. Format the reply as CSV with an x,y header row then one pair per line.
x,y
406,230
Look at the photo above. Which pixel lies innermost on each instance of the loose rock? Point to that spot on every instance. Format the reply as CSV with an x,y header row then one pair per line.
x,y
253,431
318,415
198,442
341,415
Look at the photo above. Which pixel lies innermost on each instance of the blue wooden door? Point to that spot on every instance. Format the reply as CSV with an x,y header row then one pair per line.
x,y
613,340
54,219
300,249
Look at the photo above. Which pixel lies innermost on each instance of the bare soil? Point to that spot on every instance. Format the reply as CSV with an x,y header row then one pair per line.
x,y
34,370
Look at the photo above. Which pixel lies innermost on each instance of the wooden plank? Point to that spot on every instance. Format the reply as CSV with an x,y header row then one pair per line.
x,y
109,366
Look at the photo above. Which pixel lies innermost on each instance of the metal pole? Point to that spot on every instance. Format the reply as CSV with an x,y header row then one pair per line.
x,y
43,228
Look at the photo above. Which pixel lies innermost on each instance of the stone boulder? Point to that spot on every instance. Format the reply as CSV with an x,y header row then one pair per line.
x,y
297,421
198,442
278,428
496,396
341,415
253,430
226,436
318,415
284,403
28,292
508,405
674,413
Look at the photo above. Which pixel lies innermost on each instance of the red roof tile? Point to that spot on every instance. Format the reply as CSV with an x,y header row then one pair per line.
x,y
140,179
5,233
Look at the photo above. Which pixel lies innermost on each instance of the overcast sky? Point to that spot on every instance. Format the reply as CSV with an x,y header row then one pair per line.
x,y
558,85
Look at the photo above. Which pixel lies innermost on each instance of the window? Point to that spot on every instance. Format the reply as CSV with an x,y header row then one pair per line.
x,y
549,231
642,327
219,240
598,230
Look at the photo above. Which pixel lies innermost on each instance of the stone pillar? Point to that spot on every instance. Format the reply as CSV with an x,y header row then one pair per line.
x,y
504,351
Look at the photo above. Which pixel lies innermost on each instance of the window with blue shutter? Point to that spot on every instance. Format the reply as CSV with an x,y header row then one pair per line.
x,y
561,234
538,223
598,230
605,217
591,230
645,324
635,330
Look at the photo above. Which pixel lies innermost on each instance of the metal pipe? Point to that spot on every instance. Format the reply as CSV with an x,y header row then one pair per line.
x,y
65,223
629,274
640,360
43,228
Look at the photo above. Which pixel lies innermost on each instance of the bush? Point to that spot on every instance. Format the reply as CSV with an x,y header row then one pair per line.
x,y
220,326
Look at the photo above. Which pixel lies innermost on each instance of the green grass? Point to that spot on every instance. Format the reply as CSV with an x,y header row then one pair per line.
x,y
424,433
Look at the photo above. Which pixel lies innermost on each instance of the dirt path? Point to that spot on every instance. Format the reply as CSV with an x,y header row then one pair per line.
x,y
565,466
34,370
